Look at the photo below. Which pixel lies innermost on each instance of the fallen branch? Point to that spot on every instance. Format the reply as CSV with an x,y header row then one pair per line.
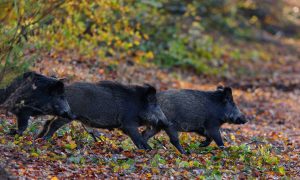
x,y
90,133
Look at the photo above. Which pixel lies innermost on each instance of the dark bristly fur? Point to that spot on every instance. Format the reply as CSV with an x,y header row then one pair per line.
x,y
6,92
111,105
202,112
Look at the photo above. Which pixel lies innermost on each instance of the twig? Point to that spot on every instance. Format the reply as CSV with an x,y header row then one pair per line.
x,y
294,135
156,139
255,141
90,133
10,48
18,34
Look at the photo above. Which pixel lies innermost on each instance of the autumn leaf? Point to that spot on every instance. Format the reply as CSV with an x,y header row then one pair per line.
x,y
71,145
54,178
34,154
281,170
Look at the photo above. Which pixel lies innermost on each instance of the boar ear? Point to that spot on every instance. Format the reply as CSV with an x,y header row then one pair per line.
x,y
150,94
57,87
60,79
150,89
63,80
29,74
227,93
53,76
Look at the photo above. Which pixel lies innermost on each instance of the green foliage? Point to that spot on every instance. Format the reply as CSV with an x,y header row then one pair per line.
x,y
168,33
18,20
157,160
78,159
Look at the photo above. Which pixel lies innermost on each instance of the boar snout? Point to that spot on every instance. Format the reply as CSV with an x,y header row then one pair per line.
x,y
155,116
241,119
64,110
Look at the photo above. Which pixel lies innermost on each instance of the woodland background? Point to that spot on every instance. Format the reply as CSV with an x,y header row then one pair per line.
x,y
251,45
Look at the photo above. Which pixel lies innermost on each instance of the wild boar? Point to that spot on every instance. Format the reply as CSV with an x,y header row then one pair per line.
x,y
33,94
111,105
202,112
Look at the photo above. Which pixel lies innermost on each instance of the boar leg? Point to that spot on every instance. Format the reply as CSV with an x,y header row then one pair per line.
x,y
54,125
206,142
215,134
173,135
150,132
136,137
45,128
208,139
22,123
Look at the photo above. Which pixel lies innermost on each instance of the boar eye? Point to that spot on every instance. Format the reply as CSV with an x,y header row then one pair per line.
x,y
151,99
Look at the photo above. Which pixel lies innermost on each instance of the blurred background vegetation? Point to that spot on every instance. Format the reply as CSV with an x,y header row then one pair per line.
x,y
197,35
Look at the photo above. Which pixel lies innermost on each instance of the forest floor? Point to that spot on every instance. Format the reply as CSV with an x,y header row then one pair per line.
x,y
268,146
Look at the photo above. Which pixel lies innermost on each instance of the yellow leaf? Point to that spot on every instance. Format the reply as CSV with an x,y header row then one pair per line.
x,y
149,55
281,170
155,170
35,154
54,178
136,42
146,36
28,142
232,137
129,45
73,145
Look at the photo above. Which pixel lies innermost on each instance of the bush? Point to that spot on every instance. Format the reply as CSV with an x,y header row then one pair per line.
x,y
18,20
167,33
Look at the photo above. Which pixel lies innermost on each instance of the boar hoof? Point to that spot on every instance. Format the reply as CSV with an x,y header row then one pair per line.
x,y
222,147
13,132
204,143
188,152
184,152
146,147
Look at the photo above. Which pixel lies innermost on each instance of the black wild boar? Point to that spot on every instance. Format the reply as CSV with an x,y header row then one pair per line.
x,y
111,105
33,94
202,112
